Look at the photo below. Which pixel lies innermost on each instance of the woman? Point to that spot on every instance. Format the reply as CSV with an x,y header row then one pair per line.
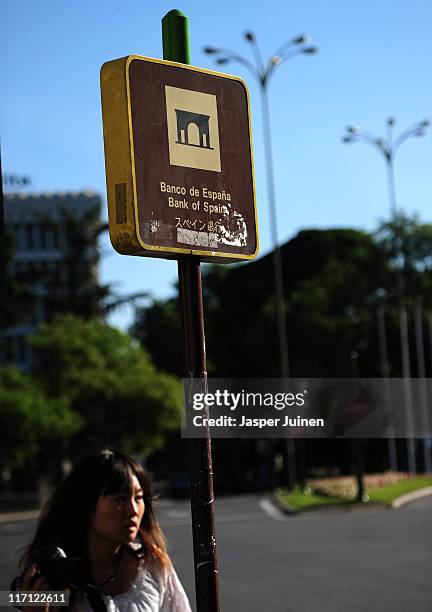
x,y
99,538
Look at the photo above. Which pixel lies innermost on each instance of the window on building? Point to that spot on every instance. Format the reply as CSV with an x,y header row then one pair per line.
x,y
42,236
29,236
49,237
13,231
22,238
56,242
36,234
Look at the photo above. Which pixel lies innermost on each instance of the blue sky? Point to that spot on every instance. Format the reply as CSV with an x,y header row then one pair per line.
x,y
374,62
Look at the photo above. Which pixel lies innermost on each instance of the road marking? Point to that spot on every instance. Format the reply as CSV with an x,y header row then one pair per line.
x,y
177,513
271,510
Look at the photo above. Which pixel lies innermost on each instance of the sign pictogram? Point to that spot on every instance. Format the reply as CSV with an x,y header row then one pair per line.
x,y
184,120
193,133
179,161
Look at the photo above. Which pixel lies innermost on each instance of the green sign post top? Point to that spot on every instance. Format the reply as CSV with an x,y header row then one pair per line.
x,y
175,35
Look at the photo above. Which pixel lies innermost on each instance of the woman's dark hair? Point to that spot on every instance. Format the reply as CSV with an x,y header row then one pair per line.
x,y
64,521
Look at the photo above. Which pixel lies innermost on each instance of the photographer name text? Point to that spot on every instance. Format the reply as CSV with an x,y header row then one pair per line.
x,y
200,420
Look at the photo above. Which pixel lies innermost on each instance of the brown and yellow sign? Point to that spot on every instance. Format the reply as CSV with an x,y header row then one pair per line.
x,y
179,161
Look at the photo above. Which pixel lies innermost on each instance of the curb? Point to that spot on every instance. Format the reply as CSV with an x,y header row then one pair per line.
x,y
409,497
286,509
281,505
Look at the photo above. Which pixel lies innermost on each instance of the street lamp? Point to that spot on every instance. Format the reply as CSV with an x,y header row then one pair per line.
x,y
263,71
387,147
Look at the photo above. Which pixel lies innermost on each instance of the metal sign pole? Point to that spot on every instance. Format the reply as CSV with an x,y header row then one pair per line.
x,y
175,32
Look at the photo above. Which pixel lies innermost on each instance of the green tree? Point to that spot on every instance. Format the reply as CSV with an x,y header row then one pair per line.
x,y
333,281
158,328
29,419
407,243
110,382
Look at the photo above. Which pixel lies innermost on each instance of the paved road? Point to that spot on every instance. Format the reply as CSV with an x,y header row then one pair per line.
x,y
369,560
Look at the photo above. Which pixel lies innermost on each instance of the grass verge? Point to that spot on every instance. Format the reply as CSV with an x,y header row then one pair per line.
x,y
385,495
299,500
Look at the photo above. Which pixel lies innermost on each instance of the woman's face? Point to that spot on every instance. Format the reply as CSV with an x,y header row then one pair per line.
x,y
117,517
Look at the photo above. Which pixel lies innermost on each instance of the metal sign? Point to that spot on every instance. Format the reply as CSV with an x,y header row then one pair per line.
x,y
179,161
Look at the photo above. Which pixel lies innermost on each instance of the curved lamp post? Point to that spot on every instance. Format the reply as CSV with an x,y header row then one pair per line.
x,y
263,71
388,147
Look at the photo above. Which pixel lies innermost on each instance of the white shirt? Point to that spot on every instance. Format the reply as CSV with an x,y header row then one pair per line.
x,y
151,591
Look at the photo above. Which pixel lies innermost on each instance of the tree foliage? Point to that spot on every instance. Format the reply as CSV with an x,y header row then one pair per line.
x,y
407,244
29,418
333,281
158,328
109,381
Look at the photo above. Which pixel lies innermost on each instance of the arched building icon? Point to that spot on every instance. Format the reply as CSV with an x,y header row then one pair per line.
x,y
184,120
193,129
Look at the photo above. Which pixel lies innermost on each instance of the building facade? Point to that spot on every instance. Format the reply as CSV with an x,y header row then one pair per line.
x,y
36,223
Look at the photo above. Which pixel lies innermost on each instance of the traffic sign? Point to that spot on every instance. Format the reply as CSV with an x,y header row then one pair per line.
x,y
179,161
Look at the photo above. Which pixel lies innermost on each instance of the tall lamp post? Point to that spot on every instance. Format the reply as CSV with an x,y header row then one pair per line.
x,y
262,72
388,147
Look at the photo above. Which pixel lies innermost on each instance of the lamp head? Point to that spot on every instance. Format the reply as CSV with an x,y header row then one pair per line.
x,y
301,40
